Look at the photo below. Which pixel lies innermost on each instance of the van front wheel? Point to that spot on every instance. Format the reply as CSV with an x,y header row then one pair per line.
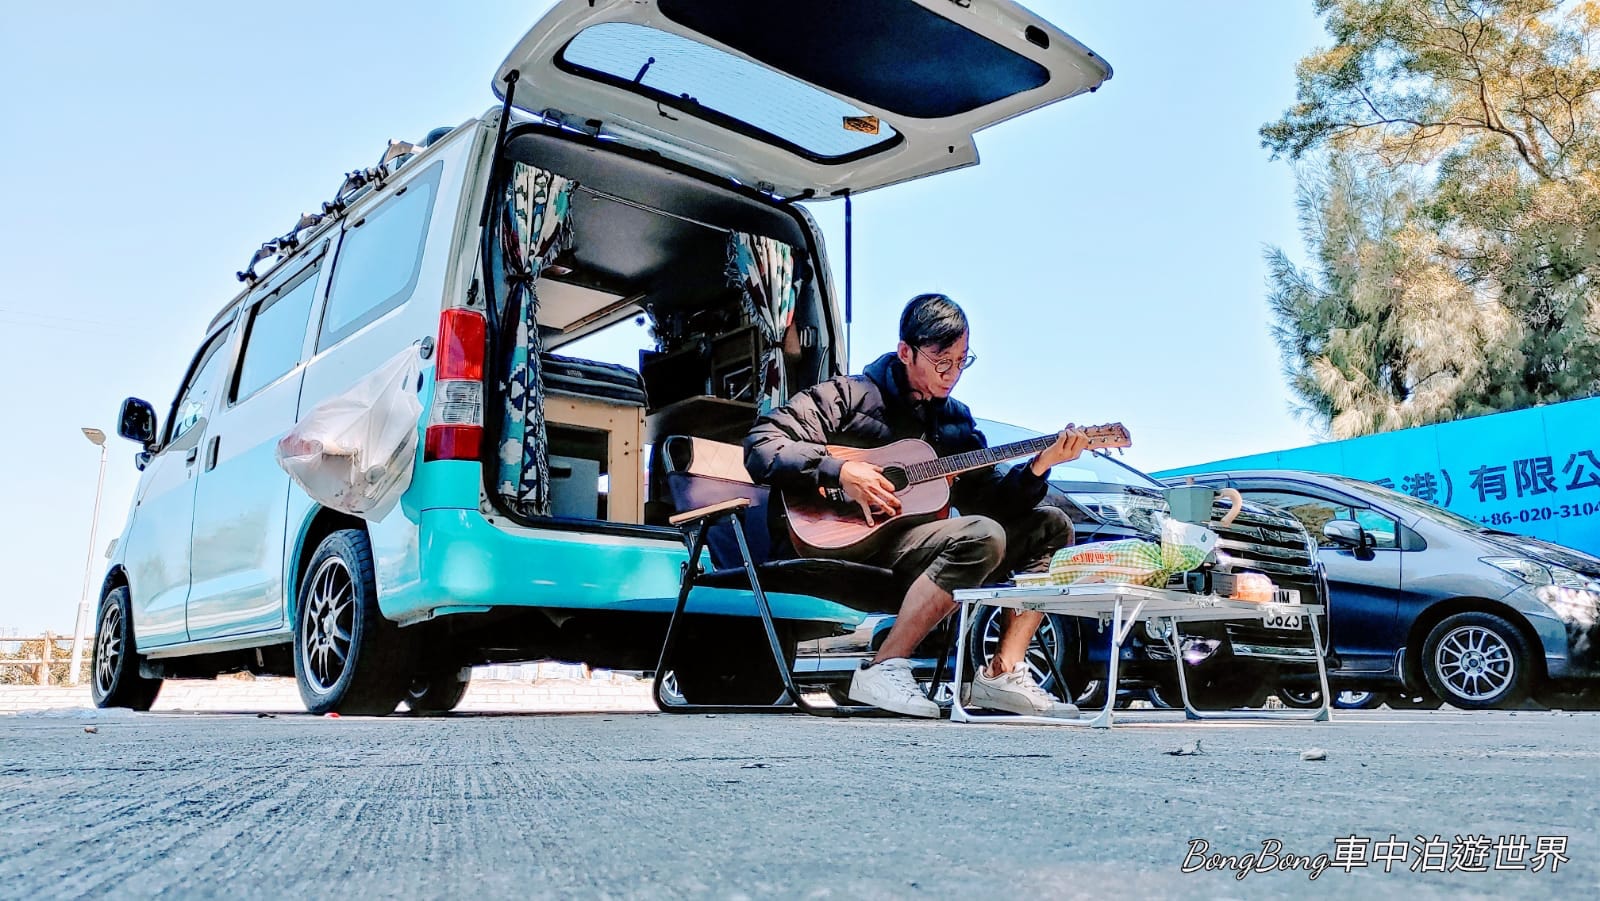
x,y
114,666
348,659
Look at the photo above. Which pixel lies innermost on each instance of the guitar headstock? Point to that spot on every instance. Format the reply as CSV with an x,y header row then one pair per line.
x,y
1108,436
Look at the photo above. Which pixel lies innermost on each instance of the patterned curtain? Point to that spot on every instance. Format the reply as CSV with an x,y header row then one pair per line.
x,y
533,229
764,269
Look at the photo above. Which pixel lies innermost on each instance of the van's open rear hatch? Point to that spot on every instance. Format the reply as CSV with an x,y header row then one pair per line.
x,y
824,96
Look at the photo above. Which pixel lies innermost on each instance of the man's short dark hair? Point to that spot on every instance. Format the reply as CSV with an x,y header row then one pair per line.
x,y
932,320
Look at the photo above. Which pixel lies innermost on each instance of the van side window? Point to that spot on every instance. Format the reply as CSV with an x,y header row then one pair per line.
x,y
378,259
195,398
1316,512
274,335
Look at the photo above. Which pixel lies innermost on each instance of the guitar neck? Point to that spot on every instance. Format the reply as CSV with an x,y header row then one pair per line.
x,y
944,467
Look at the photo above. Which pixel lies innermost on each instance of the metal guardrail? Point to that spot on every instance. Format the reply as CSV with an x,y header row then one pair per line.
x,y
50,655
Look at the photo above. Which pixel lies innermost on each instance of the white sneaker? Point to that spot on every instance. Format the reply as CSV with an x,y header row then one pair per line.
x,y
889,685
1015,692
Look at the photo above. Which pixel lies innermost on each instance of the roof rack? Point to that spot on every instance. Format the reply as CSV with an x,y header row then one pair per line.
x,y
356,185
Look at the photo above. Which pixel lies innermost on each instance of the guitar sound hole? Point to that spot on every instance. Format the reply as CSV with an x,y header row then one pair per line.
x,y
897,477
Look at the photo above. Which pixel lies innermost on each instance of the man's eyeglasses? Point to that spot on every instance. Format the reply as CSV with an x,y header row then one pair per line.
x,y
944,366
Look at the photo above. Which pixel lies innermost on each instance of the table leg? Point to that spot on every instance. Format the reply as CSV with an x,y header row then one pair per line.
x,y
1175,642
1320,715
958,713
1102,720
1325,712
1123,620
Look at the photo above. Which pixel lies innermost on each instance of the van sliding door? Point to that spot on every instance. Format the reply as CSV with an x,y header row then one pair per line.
x,y
242,498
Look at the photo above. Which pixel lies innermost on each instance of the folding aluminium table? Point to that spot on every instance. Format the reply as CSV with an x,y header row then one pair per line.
x,y
1123,606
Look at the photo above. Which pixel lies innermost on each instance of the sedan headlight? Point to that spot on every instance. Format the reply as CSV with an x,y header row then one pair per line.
x,y
1566,578
1530,571
1535,573
1573,596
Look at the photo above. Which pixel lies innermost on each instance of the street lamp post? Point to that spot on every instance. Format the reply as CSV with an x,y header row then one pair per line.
x,y
98,438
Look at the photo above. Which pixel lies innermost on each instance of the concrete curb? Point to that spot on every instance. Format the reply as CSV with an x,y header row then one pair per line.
x,y
601,692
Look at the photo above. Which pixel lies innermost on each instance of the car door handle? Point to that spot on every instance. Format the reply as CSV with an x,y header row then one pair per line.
x,y
211,452
193,455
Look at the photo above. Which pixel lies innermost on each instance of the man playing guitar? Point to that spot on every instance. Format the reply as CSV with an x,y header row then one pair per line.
x,y
1001,529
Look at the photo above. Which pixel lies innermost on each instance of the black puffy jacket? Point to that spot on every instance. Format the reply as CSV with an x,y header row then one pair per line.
x,y
785,447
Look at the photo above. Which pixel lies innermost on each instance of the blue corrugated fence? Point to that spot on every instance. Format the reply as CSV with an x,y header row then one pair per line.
x,y
1535,471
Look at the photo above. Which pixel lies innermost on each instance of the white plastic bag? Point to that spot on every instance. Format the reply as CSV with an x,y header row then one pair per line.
x,y
354,452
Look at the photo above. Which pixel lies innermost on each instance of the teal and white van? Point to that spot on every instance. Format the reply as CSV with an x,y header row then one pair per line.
x,y
643,173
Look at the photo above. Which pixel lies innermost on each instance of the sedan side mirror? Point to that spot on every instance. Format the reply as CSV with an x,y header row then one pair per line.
x,y
1348,533
137,422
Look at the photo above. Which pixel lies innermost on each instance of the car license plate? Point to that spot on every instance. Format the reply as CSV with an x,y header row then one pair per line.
x,y
1281,619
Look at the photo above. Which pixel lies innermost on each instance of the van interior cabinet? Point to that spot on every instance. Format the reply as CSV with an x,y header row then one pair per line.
x,y
722,420
725,366
736,365
612,435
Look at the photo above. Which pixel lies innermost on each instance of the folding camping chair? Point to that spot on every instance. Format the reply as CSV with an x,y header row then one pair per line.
x,y
725,513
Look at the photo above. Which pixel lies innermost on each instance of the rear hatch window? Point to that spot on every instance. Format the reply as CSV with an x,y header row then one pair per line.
x,y
796,97
698,80
894,55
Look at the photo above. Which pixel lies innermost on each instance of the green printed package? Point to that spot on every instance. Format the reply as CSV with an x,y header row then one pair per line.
x,y
1135,561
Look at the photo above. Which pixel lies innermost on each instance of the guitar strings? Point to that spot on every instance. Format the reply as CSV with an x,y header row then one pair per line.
x,y
929,470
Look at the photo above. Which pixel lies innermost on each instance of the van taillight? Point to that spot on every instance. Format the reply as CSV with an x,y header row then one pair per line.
x,y
455,424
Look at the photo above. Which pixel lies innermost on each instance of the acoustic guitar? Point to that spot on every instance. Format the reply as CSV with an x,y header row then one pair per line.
x,y
825,523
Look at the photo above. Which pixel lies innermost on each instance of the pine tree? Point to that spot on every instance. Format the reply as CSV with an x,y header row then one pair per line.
x,y
1375,335
1488,110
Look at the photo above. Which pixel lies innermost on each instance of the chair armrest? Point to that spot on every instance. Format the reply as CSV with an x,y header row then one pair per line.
x,y
711,511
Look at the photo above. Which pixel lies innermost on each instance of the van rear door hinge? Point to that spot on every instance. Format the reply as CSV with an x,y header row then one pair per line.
x,y
590,127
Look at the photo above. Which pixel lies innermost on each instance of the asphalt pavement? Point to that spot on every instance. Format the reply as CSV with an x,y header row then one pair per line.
x,y
743,806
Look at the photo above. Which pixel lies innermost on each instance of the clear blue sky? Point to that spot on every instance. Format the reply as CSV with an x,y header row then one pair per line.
x,y
1107,249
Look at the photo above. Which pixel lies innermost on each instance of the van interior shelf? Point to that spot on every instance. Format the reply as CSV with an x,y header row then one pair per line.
x,y
716,418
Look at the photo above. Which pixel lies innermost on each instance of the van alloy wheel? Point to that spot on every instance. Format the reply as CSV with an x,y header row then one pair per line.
x,y
108,648
1475,662
328,624
348,657
114,677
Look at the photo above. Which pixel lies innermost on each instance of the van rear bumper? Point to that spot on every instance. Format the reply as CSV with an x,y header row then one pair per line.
x,y
465,564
